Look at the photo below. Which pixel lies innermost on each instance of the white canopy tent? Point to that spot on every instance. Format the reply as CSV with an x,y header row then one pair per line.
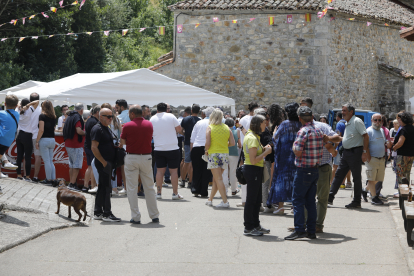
x,y
141,86
24,85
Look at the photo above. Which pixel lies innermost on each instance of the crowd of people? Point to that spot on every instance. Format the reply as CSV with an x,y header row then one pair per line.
x,y
286,157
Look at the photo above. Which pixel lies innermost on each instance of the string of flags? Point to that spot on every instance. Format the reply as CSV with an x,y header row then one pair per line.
x,y
44,13
180,28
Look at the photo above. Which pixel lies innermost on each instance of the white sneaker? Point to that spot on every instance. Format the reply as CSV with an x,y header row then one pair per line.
x,y
268,210
9,166
209,203
122,192
279,212
95,217
158,196
3,175
240,204
93,190
223,205
177,196
114,193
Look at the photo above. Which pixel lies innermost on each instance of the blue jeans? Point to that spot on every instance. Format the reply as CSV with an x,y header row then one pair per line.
x,y
46,147
303,195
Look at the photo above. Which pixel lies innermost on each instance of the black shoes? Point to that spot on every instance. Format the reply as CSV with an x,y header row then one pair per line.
x,y
353,205
74,187
263,230
85,190
156,220
189,185
168,181
141,193
330,199
376,201
46,182
365,195
35,179
311,236
135,222
182,184
111,218
297,235
253,232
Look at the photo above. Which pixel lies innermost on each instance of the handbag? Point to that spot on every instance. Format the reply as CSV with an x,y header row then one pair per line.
x,y
119,154
239,172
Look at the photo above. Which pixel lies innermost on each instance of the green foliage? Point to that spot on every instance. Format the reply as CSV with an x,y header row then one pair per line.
x,y
48,59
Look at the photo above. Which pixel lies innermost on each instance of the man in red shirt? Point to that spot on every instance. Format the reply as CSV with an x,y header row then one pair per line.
x,y
74,135
137,136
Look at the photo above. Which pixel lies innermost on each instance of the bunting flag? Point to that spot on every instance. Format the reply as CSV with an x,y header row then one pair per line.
x,y
32,16
161,30
35,37
215,19
320,15
61,4
351,19
386,24
69,33
45,15
332,18
289,18
24,20
14,21
53,9
75,3
234,21
330,1
179,29
2,24
82,3
50,36
89,33
251,19
140,30
308,17
196,25
106,33
368,23
271,20
3,39
124,32
403,28
21,39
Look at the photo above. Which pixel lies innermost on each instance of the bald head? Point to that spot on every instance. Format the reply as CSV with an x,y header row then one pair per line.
x,y
135,111
105,116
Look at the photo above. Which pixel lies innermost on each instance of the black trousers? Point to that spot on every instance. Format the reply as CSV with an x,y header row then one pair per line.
x,y
24,146
180,147
201,175
253,175
103,196
351,160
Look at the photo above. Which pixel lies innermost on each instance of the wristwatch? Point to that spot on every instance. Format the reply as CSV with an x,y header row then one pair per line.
x,y
364,151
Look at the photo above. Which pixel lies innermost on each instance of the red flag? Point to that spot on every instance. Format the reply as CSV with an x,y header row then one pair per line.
x,y
289,18
45,15
82,3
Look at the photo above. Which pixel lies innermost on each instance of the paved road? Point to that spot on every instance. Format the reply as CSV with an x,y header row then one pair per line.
x,y
198,240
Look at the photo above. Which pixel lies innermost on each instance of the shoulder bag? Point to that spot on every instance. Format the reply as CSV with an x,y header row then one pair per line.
x,y
120,153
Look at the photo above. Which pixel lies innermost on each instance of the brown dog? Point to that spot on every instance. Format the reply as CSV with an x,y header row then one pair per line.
x,y
71,198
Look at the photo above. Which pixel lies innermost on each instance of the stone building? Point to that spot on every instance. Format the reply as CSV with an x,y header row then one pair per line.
x,y
333,60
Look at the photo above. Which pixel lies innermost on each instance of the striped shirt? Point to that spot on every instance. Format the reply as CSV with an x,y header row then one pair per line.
x,y
309,140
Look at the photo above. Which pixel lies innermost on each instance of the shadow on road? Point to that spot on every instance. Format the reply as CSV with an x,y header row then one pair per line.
x,y
331,238
12,220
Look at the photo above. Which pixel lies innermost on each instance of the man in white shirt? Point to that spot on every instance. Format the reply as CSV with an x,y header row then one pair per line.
x,y
166,152
35,130
201,175
64,108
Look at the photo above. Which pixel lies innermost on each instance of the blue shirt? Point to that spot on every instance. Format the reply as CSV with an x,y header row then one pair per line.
x,y
327,130
376,142
124,116
340,129
8,127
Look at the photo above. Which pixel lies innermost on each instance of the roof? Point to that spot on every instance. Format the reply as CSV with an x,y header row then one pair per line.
x,y
395,71
161,64
165,57
407,34
386,10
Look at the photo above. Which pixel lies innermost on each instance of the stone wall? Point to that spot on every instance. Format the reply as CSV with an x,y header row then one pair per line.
x,y
252,61
391,92
353,73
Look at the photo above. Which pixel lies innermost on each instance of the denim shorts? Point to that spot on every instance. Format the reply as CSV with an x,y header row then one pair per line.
x,y
75,157
337,159
187,151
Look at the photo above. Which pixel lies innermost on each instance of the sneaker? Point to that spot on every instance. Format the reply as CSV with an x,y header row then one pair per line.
x,y
240,204
122,192
9,166
223,205
348,185
98,217
141,193
268,210
189,185
353,205
261,209
182,184
85,190
296,235
330,199
135,222
168,181
263,230
27,179
73,187
376,201
382,197
177,196
279,212
45,182
156,220
209,203
365,195
397,195
3,175
111,218
342,186
319,230
35,179
253,232
158,196
235,192
93,190
311,236
165,185
114,193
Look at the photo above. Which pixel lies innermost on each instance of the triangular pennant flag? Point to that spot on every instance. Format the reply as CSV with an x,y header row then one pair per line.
x,y
179,29
196,25
215,19
289,18
161,30
32,16
386,24
234,21
251,19
69,34
89,33
351,19
106,33
14,21
402,28
24,20
330,8
82,3
308,17
2,24
140,30
368,23
53,9
124,32
21,39
51,36
45,15
329,1
61,4
75,3
271,20
320,15
35,37
3,39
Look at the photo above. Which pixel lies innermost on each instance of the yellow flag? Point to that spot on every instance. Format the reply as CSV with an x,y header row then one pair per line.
x,y
196,25
161,30
21,39
234,21
32,16
124,32
271,20
53,9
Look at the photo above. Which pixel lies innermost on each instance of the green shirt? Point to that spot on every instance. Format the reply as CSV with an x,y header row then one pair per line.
x,y
233,151
252,141
354,129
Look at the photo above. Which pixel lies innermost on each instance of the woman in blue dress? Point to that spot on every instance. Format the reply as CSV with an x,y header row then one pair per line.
x,y
284,167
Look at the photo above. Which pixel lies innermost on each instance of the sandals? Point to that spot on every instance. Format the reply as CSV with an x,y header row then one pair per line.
x,y
235,192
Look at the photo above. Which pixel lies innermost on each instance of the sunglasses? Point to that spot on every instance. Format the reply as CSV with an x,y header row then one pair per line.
x,y
377,120
108,116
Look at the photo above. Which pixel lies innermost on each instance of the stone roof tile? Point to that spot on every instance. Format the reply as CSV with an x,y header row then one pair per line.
x,y
161,64
386,10
395,70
